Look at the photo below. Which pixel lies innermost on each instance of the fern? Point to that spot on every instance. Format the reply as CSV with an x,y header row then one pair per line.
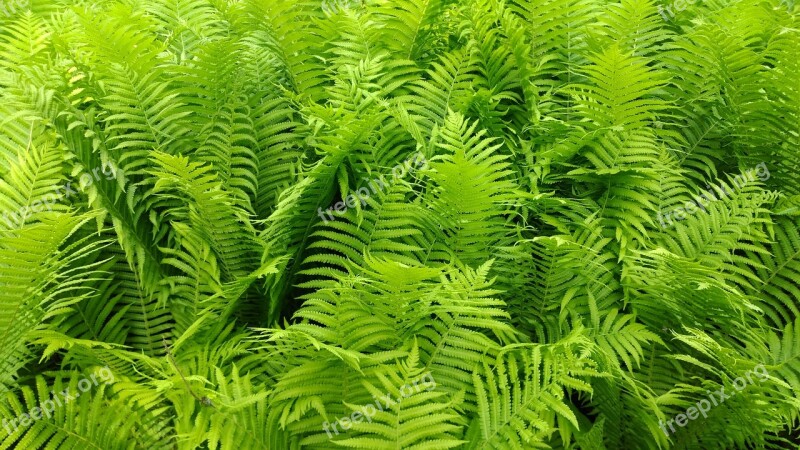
x,y
524,222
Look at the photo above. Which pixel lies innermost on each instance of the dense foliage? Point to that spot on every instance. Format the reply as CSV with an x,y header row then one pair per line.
x,y
246,222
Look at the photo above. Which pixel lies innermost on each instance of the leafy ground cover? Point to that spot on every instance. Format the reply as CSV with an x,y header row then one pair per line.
x,y
399,224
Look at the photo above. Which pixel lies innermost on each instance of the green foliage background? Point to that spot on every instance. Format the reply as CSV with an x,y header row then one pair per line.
x,y
525,267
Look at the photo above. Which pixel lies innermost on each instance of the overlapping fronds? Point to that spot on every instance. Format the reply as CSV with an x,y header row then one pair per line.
x,y
386,224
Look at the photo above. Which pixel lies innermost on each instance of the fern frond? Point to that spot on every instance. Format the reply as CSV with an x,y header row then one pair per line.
x,y
520,396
